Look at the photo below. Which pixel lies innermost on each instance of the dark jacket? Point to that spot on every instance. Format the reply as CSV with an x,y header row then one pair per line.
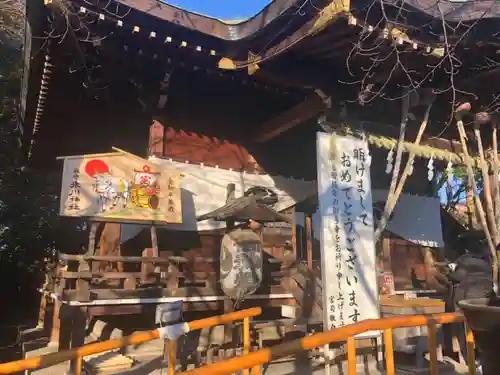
x,y
472,278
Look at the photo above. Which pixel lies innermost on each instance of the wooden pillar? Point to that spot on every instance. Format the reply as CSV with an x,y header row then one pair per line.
x,y
78,331
228,303
386,253
309,242
230,196
110,245
156,253
92,234
147,269
156,139
44,310
56,322
294,238
63,321
83,282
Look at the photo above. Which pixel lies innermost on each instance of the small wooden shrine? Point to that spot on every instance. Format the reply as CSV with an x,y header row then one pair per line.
x,y
185,96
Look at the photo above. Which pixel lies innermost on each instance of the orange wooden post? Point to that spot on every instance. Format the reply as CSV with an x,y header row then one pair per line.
x,y
172,356
78,365
389,352
471,356
351,356
257,370
246,340
432,340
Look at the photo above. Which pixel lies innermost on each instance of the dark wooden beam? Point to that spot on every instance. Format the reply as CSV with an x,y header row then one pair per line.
x,y
292,117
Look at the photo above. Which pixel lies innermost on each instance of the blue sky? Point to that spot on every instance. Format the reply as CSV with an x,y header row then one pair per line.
x,y
223,9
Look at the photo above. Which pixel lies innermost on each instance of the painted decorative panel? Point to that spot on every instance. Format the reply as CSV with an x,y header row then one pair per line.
x,y
120,187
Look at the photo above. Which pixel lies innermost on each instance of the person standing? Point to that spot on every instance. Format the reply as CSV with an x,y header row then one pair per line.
x,y
471,276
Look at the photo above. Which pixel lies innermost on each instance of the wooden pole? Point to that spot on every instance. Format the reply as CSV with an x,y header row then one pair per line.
x,y
471,212
495,172
294,236
397,166
309,242
228,303
461,110
480,119
92,233
156,253
154,241
392,199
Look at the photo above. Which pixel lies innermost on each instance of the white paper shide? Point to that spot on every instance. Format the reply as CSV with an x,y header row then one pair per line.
x,y
348,270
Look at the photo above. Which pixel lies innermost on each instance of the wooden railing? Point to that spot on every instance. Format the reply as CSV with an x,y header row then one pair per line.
x,y
79,273
348,334
83,277
256,359
78,354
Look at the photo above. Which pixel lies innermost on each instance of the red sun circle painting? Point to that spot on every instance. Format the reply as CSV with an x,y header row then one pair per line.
x,y
96,166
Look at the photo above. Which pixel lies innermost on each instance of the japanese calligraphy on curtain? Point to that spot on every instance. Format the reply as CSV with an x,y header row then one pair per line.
x,y
350,292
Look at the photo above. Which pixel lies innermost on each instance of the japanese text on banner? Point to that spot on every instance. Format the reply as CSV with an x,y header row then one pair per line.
x,y
348,251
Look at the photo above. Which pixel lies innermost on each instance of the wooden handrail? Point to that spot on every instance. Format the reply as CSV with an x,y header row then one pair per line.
x,y
320,339
135,259
131,259
104,346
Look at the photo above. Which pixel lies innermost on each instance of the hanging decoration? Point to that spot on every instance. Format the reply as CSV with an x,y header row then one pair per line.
x,y
430,167
449,172
390,160
410,171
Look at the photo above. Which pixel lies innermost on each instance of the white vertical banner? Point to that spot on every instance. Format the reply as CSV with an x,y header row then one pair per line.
x,y
348,259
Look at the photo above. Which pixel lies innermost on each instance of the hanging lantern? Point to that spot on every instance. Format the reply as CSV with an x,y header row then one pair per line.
x,y
240,263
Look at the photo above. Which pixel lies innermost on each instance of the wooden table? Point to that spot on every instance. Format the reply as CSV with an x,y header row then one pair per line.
x,y
413,339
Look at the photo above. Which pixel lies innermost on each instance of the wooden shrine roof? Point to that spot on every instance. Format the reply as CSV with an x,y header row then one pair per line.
x,y
291,47
221,29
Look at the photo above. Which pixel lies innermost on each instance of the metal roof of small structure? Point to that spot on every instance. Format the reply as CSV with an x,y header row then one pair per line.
x,y
243,209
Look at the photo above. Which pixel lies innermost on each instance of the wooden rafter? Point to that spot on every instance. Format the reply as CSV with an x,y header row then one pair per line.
x,y
290,118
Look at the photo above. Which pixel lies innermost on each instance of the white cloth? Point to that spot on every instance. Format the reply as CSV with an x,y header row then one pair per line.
x,y
174,331
203,189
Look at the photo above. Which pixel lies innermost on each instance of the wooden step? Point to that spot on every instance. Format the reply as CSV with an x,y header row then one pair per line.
x,y
306,289
107,362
